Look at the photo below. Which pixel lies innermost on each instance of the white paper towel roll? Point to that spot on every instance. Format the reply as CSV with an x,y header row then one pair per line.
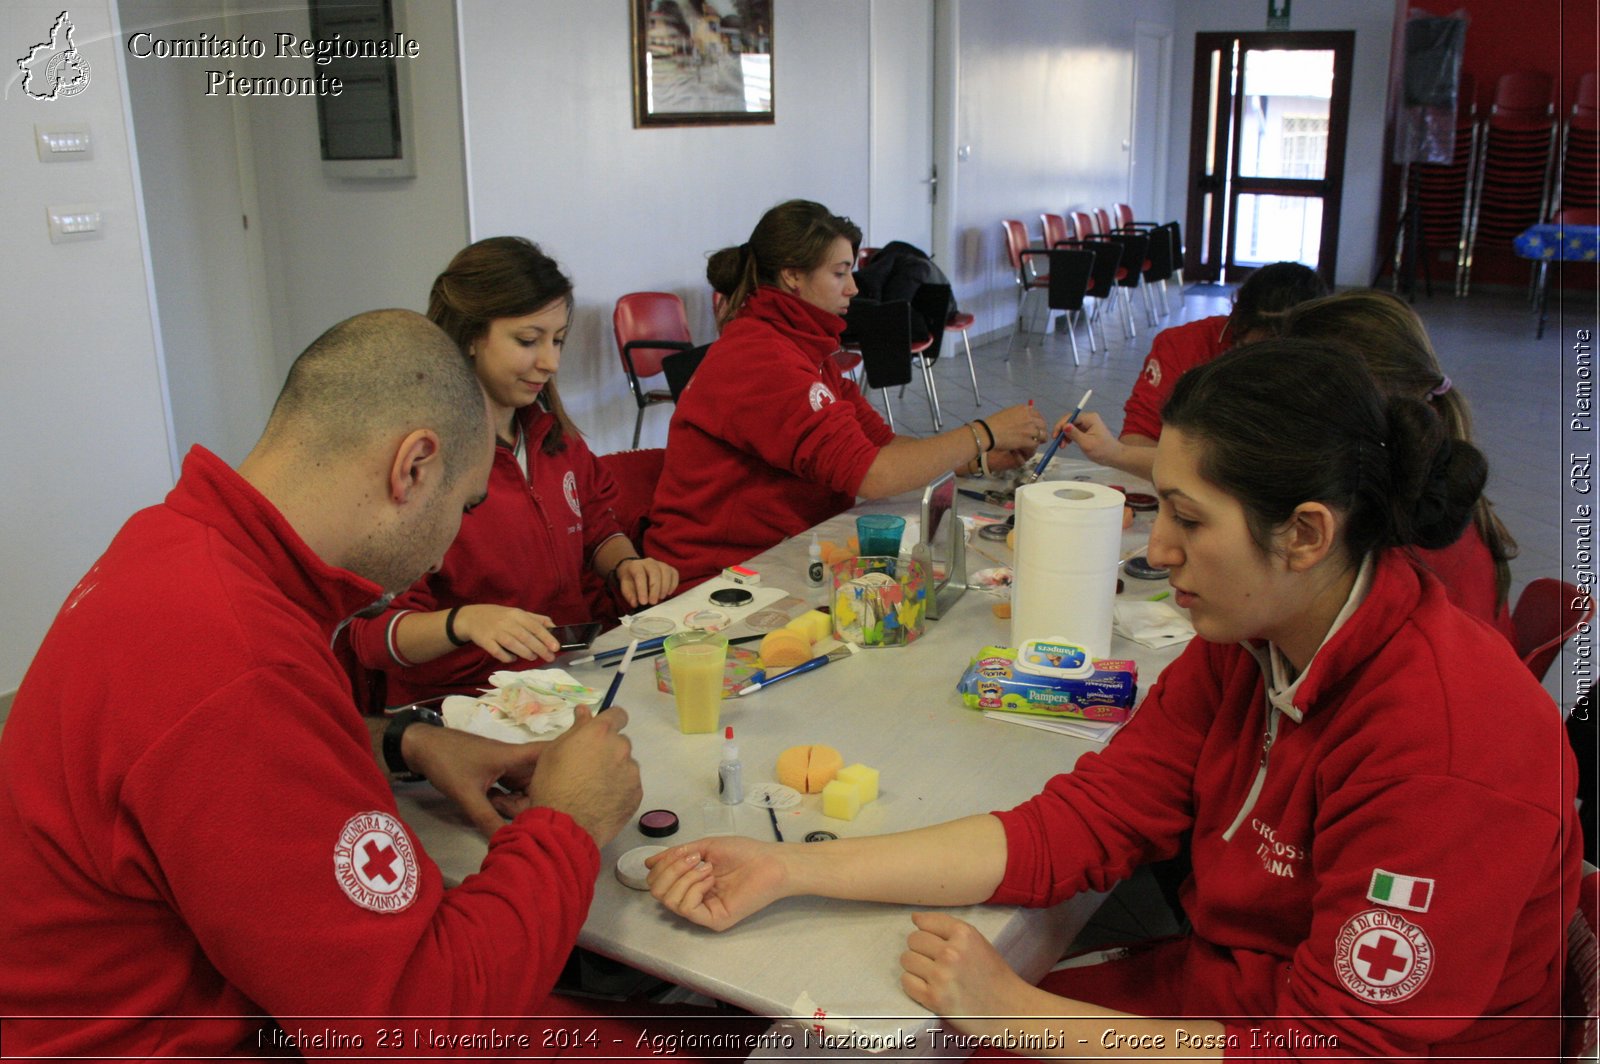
x,y
1069,536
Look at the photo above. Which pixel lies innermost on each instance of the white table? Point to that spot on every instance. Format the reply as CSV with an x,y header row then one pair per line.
x,y
894,709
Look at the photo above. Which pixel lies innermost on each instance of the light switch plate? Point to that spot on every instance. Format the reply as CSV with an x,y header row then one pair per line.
x,y
63,142
72,222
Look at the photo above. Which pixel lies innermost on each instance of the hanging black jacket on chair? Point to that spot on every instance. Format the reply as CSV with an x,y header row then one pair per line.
x,y
900,271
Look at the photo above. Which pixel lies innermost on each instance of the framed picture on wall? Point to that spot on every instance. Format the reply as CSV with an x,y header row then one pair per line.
x,y
702,62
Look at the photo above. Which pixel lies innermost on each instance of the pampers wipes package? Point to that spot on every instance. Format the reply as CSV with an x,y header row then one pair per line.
x,y
1050,678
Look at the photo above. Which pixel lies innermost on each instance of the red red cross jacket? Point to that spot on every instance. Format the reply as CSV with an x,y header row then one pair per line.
x,y
1394,870
194,829
769,439
526,545
1173,353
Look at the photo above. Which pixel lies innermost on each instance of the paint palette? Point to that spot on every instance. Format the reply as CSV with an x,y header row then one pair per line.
x,y
742,664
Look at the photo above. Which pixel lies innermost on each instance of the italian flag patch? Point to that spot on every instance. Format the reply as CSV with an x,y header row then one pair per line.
x,y
1400,892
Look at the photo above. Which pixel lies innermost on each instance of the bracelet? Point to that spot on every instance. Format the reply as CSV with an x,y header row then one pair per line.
x,y
403,719
977,441
450,628
987,429
616,570
983,455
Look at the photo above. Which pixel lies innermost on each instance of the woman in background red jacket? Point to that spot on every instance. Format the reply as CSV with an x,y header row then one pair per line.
x,y
770,438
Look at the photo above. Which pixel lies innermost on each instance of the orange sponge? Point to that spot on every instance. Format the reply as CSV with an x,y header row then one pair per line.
x,y
784,648
808,769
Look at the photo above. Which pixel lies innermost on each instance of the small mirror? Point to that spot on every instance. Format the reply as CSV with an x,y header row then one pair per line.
x,y
943,548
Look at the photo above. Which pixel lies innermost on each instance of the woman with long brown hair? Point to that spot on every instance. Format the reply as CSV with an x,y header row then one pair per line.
x,y
515,570
1394,344
770,437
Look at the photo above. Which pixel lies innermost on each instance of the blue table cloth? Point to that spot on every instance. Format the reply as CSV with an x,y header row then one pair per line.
x,y
1554,242
1563,243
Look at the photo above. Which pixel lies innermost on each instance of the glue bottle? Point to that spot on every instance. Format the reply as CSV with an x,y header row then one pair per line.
x,y
814,563
730,773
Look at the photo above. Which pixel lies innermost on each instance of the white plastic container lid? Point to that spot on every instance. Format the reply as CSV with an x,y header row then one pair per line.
x,y
1055,657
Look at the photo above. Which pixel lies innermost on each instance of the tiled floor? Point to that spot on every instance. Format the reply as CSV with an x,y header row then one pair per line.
x,y
1485,343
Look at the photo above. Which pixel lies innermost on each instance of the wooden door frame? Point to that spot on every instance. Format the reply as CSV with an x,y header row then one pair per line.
x,y
1330,189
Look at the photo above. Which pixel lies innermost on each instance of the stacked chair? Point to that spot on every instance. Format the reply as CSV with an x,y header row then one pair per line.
x,y
1516,164
1578,170
1442,194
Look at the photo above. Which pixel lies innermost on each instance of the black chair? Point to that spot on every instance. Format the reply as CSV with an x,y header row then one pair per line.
x,y
1135,255
1102,281
1158,264
680,367
884,333
1071,273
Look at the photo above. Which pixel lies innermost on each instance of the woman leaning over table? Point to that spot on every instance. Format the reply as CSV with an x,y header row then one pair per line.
x,y
1376,869
770,437
1394,343
515,570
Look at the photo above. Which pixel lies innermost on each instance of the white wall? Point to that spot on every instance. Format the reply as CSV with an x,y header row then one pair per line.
x,y
1044,108
205,263
1373,23
81,414
553,155
337,247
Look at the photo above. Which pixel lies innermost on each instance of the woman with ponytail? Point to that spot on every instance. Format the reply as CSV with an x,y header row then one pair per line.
x,y
1386,853
770,437
1394,344
516,568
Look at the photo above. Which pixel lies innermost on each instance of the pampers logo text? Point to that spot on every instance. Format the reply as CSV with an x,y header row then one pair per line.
x,y
145,45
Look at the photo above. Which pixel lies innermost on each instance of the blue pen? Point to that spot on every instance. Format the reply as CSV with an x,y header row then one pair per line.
x,y
1061,437
616,681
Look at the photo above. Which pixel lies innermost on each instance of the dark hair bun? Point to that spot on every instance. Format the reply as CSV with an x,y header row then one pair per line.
x,y
724,270
1437,480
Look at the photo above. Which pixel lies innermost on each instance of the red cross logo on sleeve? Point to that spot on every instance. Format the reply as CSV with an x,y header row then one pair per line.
x,y
379,860
374,863
1381,956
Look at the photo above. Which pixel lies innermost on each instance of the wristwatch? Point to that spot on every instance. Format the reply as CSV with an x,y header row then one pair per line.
x,y
399,721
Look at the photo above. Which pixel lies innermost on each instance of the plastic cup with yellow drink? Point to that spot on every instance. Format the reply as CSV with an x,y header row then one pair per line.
x,y
695,660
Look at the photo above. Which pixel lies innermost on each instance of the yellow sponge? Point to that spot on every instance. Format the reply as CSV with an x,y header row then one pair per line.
x,y
864,778
841,800
813,624
784,648
808,769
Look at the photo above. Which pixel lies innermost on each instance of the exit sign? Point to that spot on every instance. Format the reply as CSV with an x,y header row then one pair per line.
x,y
1278,14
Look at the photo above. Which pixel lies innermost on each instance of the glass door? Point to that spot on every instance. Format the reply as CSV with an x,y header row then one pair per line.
x,y
1267,151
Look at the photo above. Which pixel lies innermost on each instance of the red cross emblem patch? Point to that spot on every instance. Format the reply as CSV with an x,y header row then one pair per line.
x,y
375,864
1381,956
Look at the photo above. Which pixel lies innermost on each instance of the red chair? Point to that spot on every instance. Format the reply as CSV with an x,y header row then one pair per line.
x,y
1547,613
1017,244
1056,229
960,322
1122,214
1083,224
649,326
863,254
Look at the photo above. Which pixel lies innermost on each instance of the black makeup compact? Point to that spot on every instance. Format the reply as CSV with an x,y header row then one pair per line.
x,y
731,596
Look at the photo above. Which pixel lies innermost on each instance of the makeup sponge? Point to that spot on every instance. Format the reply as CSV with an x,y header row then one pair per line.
x,y
808,769
865,780
813,624
784,648
841,800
